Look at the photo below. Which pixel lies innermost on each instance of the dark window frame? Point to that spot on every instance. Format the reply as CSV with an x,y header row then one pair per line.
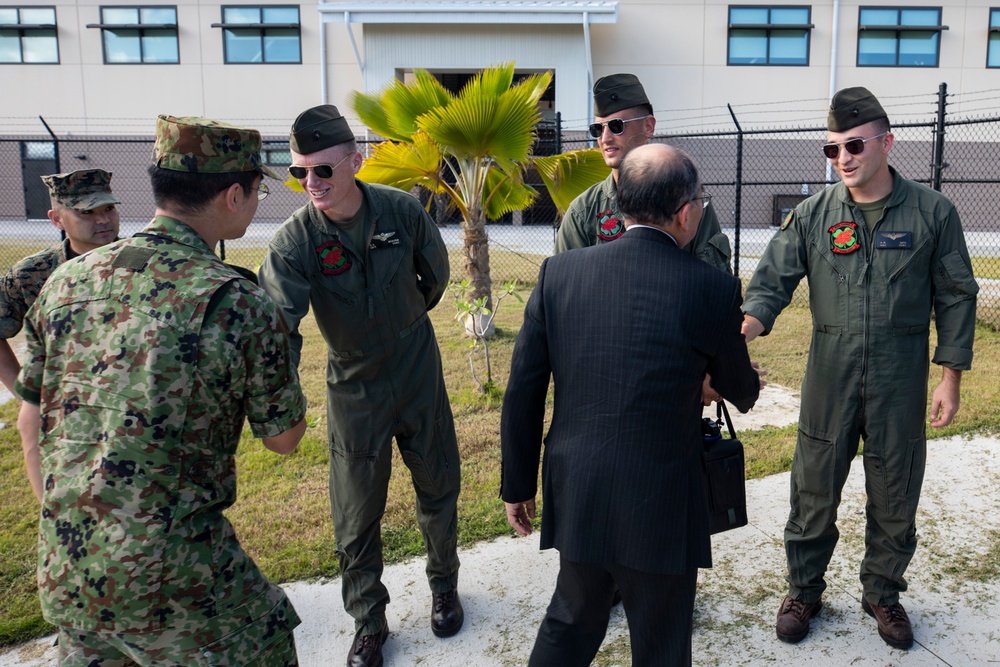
x,y
994,12
899,29
139,28
23,28
769,28
262,29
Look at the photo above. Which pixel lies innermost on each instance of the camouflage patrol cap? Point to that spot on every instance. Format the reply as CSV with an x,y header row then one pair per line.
x,y
82,190
318,128
615,92
851,107
205,146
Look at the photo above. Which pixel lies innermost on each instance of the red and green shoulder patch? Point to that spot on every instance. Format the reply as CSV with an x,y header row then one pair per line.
x,y
844,238
788,219
609,226
332,258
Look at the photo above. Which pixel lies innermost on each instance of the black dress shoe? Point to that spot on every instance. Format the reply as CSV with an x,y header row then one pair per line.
x,y
366,651
447,614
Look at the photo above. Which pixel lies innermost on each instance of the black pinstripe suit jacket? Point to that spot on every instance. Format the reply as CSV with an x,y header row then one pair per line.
x,y
627,330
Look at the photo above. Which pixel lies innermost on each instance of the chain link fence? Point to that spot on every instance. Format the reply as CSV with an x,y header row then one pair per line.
x,y
755,177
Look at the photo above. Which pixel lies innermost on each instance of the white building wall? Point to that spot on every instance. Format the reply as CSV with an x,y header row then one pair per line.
x,y
678,48
463,48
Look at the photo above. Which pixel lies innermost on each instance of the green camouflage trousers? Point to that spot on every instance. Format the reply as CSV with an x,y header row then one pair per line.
x,y
268,641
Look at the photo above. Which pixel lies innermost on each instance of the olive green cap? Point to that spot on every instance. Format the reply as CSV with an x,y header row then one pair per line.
x,y
615,92
318,128
82,190
206,146
851,107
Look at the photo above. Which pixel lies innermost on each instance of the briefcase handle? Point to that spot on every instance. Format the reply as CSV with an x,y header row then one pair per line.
x,y
720,411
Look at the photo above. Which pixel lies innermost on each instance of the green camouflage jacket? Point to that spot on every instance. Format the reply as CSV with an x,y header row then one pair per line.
x,y
20,286
146,356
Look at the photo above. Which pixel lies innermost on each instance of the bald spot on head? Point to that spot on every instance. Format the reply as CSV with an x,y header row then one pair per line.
x,y
654,180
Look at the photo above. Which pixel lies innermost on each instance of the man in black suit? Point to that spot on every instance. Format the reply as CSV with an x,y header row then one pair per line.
x,y
622,484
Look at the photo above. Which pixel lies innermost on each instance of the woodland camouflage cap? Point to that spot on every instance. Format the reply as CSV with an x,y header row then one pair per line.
x,y
205,146
81,190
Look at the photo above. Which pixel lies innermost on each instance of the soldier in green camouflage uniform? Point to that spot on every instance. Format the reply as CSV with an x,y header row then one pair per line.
x,y
881,254
85,211
593,217
144,359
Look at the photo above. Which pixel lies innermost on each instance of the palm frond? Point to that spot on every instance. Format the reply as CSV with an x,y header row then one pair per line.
x,y
567,175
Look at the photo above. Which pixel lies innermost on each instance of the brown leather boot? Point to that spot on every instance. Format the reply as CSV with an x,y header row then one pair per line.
x,y
793,619
893,624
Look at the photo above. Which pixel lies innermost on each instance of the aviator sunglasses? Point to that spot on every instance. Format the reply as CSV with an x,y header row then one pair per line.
x,y
321,170
616,125
854,146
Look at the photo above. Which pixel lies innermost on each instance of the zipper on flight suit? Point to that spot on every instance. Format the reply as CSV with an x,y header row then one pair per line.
x,y
863,280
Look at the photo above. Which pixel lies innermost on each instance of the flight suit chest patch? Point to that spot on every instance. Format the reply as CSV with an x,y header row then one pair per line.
x,y
894,240
383,240
332,258
609,226
844,238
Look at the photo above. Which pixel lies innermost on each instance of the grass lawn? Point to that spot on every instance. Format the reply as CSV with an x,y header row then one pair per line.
x,y
282,514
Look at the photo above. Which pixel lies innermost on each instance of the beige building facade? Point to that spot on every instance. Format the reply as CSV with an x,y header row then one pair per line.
x,y
77,69
779,61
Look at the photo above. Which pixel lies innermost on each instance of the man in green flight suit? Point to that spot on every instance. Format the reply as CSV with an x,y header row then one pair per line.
x,y
371,263
145,358
85,210
881,254
625,121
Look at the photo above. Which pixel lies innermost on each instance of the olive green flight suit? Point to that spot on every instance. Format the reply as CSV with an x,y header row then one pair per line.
x,y
871,294
594,218
384,379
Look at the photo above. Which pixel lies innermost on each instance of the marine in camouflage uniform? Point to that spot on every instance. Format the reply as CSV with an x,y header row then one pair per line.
x,y
593,217
145,358
881,254
84,210
371,263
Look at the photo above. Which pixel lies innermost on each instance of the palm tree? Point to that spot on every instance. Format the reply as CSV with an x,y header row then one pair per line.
x,y
473,148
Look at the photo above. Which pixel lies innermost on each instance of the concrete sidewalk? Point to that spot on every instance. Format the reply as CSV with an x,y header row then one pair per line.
x,y
506,584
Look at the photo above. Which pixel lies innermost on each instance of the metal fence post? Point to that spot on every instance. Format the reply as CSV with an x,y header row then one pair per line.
x,y
937,159
55,144
738,194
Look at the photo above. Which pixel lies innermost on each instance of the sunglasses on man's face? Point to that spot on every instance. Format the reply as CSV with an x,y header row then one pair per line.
x,y
616,125
854,146
321,170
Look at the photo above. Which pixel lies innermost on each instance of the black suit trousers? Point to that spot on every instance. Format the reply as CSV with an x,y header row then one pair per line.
x,y
659,608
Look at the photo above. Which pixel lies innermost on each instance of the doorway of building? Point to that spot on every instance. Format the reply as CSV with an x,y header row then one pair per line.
x,y
37,159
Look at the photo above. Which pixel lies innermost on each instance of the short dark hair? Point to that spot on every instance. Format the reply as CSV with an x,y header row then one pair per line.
x,y
651,192
881,125
188,192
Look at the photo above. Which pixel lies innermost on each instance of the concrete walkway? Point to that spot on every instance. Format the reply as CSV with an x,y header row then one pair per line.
x,y
953,601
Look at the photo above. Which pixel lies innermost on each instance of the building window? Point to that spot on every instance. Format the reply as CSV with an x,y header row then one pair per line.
x,y
139,35
28,35
769,35
261,34
276,154
899,37
993,50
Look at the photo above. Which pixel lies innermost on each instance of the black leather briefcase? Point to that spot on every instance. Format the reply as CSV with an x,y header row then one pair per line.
x,y
724,474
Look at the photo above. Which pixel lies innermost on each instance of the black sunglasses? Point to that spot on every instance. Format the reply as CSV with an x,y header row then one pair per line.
x,y
854,146
616,125
321,170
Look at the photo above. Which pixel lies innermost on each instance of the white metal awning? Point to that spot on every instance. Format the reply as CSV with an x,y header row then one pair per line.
x,y
472,11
